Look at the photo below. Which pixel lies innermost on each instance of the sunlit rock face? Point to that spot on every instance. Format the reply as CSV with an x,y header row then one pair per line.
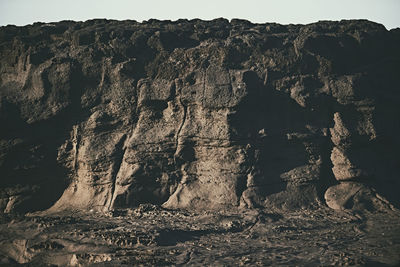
x,y
198,115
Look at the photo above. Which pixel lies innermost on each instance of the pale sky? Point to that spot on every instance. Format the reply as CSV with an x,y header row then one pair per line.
x,y
22,12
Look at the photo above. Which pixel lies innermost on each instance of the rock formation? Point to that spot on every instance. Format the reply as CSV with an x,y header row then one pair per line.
x,y
199,115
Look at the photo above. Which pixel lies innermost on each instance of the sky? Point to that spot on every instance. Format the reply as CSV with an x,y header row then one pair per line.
x,y
22,12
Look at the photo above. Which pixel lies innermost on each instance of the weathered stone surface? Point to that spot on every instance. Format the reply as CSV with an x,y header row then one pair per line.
x,y
356,196
197,114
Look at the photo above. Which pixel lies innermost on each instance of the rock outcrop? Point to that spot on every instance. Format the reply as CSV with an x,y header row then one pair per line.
x,y
199,115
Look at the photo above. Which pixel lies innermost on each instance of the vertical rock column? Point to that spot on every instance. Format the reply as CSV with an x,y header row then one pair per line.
x,y
350,157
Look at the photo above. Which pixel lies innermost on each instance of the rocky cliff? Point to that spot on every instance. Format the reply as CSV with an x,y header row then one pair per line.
x,y
199,115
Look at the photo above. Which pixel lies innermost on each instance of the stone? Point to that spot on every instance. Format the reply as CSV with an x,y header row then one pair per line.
x,y
200,115
355,196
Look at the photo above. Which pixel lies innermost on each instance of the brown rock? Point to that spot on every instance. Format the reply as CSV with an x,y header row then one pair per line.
x,y
195,114
356,196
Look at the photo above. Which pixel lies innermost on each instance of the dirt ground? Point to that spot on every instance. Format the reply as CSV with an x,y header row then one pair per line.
x,y
150,235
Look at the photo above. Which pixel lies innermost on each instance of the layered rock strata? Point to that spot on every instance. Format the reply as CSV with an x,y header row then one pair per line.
x,y
199,115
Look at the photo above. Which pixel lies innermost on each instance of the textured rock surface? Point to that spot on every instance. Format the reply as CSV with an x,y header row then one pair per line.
x,y
150,236
198,114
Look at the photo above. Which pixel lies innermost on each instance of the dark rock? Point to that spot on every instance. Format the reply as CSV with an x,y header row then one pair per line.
x,y
198,114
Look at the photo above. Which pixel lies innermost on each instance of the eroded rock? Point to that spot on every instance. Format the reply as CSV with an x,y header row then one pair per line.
x,y
197,114
356,196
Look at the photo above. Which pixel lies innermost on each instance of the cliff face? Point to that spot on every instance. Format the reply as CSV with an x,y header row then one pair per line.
x,y
198,114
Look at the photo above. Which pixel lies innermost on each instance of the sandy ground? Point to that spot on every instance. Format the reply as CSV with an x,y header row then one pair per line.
x,y
150,235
